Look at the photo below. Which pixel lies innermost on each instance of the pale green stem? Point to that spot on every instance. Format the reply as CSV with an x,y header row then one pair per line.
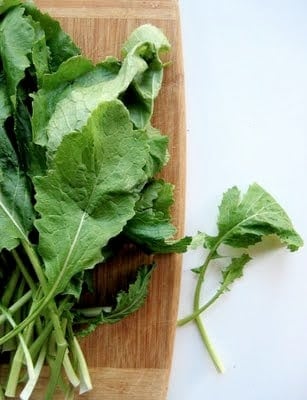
x,y
60,337
85,379
29,387
10,390
196,313
24,271
205,338
17,305
196,307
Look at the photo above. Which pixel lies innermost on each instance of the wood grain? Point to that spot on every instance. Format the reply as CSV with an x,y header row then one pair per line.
x,y
131,359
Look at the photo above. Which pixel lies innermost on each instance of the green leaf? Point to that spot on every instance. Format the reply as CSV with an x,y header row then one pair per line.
x,y
40,51
55,86
245,221
140,96
127,302
16,211
32,158
5,104
76,73
199,240
69,113
7,4
146,34
59,43
69,107
233,271
90,193
158,151
16,41
151,227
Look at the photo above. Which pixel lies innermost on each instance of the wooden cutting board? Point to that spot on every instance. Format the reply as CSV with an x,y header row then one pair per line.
x,y
131,360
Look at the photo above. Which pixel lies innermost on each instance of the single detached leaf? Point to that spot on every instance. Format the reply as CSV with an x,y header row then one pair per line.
x,y
127,302
233,271
90,193
245,221
16,41
151,227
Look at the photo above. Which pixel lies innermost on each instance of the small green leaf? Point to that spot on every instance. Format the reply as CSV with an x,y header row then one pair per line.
x,y
145,87
234,271
158,151
59,43
127,302
151,227
16,41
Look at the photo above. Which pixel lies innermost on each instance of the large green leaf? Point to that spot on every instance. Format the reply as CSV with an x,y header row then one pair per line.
x,y
90,193
70,108
75,107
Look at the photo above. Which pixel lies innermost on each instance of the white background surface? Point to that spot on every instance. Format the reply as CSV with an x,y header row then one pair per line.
x,y
246,93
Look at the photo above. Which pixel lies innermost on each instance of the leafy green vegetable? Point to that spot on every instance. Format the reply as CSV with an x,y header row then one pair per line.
x,y
97,188
151,226
233,271
73,167
16,41
145,87
127,302
6,4
16,210
241,223
158,151
72,108
244,222
78,165
60,45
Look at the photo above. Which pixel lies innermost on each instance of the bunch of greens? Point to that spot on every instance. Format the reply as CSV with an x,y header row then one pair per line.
x,y
78,160
78,165
242,222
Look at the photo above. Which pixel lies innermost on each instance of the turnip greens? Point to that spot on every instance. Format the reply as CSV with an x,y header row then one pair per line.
x,y
78,165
